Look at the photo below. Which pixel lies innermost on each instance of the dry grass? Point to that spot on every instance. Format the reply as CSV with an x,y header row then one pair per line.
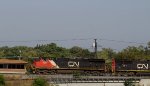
x,y
18,82
15,80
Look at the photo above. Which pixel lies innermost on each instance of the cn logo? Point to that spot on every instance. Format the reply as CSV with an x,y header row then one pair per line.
x,y
142,66
73,64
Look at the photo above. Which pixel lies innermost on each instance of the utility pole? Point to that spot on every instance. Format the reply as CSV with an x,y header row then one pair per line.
x,y
95,47
20,54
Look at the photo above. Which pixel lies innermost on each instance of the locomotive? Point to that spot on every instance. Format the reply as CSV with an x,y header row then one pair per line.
x,y
126,67
119,67
69,66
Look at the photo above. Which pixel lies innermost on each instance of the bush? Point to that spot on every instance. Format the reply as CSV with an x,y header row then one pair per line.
x,y
128,82
2,81
40,82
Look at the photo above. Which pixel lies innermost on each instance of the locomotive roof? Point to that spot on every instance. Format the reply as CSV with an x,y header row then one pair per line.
x,y
81,59
131,60
10,61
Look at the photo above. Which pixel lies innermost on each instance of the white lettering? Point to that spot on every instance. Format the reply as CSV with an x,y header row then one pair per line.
x,y
73,64
142,66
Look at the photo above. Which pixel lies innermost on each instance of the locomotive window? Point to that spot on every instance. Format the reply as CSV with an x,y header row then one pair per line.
x,y
1,65
5,66
13,66
22,67
18,66
9,66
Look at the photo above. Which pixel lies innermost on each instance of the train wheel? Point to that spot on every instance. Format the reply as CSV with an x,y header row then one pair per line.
x,y
45,72
95,73
125,74
53,72
37,71
87,73
131,74
119,74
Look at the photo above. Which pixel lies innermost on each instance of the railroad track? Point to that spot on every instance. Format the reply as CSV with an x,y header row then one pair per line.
x,y
80,79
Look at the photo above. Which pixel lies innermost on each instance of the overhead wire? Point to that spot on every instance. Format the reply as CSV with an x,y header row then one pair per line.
x,y
76,39
9,41
121,41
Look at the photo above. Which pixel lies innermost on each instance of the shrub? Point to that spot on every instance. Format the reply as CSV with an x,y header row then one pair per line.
x,y
128,82
40,82
2,81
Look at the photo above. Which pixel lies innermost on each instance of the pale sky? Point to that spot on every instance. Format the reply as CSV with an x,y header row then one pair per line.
x,y
29,20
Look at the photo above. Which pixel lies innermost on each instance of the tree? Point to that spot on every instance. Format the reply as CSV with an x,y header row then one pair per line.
x,y
128,82
40,82
107,54
132,52
51,50
79,52
2,81
76,51
2,54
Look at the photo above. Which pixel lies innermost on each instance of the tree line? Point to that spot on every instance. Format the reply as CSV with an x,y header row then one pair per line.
x,y
52,50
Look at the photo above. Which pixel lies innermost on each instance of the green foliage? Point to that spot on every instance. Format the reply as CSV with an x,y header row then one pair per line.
x,y
128,82
79,52
133,52
107,54
40,82
53,51
2,54
2,81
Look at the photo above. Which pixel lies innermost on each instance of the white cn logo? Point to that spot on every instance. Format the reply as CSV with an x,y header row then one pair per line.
x,y
73,64
142,66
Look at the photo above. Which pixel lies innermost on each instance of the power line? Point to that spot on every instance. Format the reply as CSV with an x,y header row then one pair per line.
x,y
121,41
11,41
78,39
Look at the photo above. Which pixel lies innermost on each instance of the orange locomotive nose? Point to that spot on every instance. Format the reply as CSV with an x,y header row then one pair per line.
x,y
48,64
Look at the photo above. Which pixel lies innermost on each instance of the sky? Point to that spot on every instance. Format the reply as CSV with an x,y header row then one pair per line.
x,y
31,22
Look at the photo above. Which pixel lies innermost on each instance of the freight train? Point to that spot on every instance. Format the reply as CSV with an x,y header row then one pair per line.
x,y
119,67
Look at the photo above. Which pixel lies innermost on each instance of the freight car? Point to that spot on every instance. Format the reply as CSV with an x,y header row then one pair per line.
x,y
124,67
69,66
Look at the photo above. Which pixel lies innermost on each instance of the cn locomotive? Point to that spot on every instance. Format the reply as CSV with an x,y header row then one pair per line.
x,y
119,67
126,67
69,66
